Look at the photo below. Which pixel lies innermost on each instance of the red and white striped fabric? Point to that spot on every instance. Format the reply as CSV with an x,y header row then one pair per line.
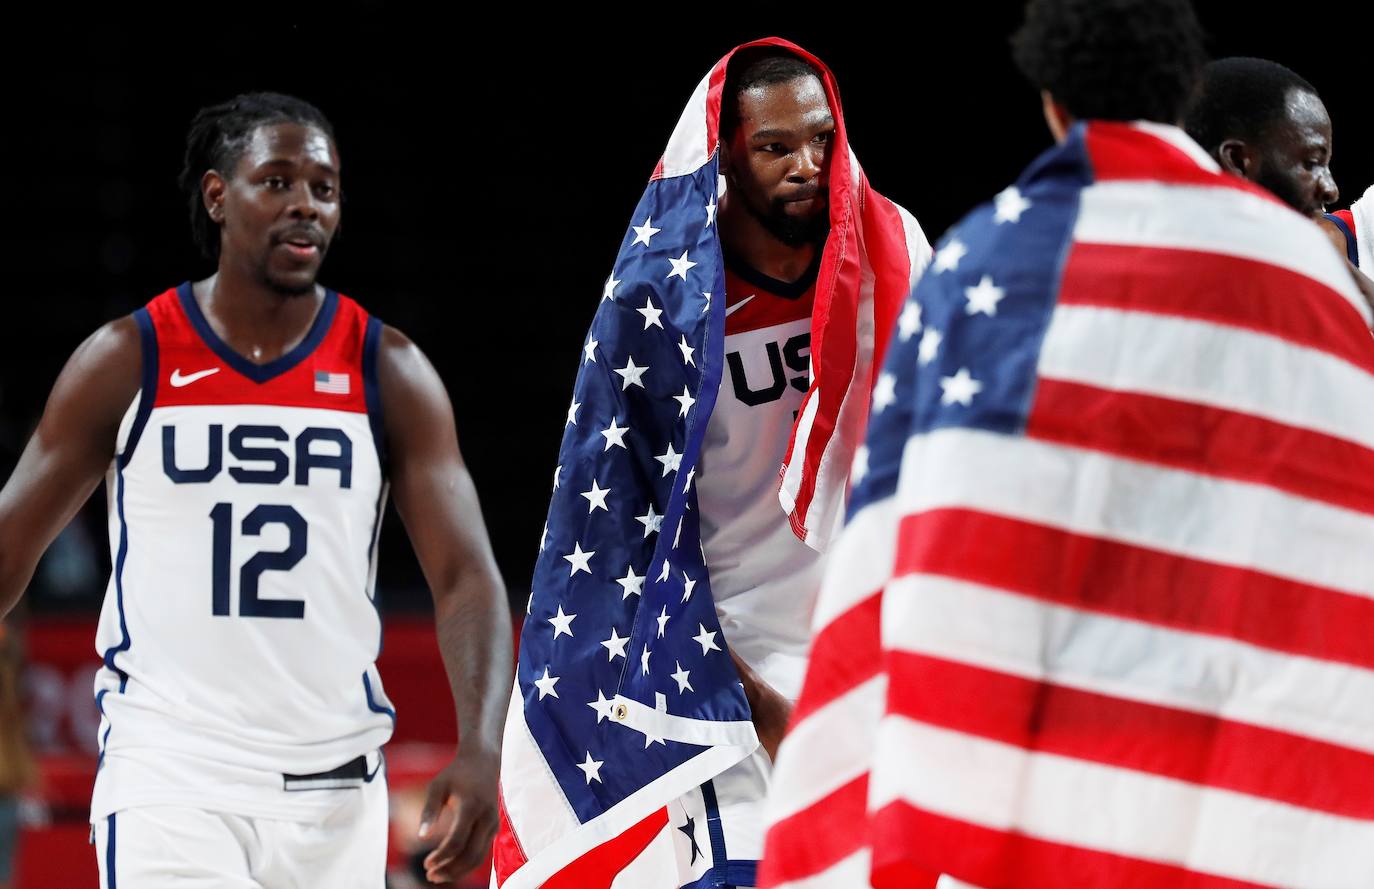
x,y
1102,617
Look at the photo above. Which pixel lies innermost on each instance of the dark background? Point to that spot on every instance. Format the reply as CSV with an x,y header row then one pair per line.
x,y
489,171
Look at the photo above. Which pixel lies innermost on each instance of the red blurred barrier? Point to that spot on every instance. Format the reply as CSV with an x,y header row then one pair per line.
x,y
62,661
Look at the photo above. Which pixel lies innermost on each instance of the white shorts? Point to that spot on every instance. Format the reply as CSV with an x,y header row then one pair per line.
x,y
714,836
152,847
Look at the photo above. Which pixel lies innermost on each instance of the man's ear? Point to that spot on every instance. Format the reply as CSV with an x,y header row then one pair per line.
x,y
1057,117
1236,158
212,188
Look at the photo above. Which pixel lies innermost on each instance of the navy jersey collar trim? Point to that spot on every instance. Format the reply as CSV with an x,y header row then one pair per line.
x,y
259,373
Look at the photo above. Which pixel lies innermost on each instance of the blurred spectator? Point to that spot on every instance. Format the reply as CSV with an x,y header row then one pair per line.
x,y
16,762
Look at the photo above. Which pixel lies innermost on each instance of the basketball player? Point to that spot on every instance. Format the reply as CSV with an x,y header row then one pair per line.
x,y
249,427
1265,123
778,134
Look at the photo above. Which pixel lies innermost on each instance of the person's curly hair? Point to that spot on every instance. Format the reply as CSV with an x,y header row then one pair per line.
x,y
1112,59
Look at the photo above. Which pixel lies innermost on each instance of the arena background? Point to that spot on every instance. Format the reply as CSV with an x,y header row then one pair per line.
x,y
490,167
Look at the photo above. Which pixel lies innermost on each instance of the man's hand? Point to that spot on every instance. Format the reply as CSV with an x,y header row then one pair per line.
x,y
769,710
470,782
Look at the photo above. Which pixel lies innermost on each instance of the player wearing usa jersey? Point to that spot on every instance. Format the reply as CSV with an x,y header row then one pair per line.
x,y
776,129
250,427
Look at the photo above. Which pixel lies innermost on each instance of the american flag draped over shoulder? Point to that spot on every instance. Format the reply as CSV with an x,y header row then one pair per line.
x,y
1101,615
625,695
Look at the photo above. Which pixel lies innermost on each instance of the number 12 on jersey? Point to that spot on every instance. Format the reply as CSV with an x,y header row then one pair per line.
x,y
253,523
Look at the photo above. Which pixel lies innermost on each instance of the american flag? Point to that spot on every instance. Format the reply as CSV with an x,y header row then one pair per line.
x,y
1101,615
625,695
331,383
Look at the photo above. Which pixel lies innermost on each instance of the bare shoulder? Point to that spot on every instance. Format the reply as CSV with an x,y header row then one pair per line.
x,y
95,388
403,368
1333,233
416,403
107,367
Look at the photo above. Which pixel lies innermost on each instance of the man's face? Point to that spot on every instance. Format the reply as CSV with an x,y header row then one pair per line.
x,y
776,161
1295,156
279,207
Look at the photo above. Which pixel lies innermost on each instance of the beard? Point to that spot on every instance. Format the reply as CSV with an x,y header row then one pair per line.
x,y
1288,191
289,288
794,231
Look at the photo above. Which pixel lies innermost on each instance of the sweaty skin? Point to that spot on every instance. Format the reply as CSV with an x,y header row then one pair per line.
x,y
1293,159
278,210
775,166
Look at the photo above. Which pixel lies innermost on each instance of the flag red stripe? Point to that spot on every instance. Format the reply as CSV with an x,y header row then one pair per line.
x,y
507,855
1111,577
1119,151
1194,747
1191,284
1205,439
818,837
909,842
844,655
597,867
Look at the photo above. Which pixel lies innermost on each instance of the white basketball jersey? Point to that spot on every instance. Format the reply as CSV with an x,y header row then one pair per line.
x,y
764,580
239,634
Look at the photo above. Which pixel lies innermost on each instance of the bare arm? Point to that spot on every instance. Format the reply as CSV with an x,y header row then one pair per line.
x,y
438,503
68,453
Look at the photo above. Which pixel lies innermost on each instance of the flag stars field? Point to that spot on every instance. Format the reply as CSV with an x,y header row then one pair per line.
x,y
644,233
615,436
546,684
651,314
947,257
670,459
631,374
631,584
681,266
681,678
706,639
591,768
909,322
885,393
929,346
651,521
562,623
615,646
580,560
1010,205
596,498
960,388
983,297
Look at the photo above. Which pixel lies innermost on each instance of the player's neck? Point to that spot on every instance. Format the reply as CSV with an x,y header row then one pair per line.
x,y
259,323
746,238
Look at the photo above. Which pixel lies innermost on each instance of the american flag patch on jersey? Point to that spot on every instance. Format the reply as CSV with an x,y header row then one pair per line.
x,y
334,384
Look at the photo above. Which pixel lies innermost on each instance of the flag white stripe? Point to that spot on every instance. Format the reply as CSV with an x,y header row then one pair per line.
x,y
549,859
849,873
827,750
860,563
1090,492
686,151
1234,369
1127,213
538,812
1120,811
1126,659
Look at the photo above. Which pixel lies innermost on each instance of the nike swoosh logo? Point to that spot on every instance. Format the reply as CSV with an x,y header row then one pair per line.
x,y
739,305
178,380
